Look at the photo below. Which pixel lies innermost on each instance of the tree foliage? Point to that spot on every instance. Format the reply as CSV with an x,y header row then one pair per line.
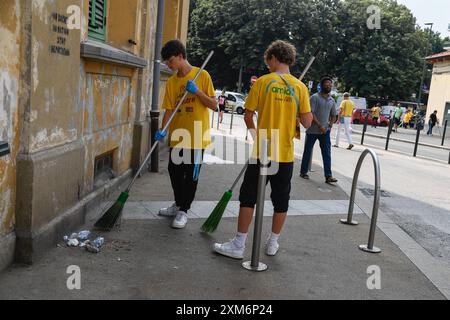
x,y
385,62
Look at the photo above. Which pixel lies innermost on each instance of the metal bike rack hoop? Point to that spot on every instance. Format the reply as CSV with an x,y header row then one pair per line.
x,y
373,225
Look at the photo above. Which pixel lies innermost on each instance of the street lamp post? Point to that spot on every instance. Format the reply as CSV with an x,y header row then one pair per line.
x,y
420,92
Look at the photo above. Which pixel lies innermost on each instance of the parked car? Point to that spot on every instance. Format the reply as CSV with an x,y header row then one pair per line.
x,y
234,99
359,116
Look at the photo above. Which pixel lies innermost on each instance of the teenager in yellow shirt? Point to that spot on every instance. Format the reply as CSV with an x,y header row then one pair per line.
x,y
375,115
189,130
278,103
346,112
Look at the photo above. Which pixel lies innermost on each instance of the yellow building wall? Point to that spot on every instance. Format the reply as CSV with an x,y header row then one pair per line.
x,y
439,90
176,18
10,36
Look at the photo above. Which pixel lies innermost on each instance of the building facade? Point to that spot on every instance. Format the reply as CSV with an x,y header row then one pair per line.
x,y
440,85
75,94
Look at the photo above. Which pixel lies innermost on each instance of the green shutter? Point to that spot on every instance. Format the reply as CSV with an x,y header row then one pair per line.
x,y
97,19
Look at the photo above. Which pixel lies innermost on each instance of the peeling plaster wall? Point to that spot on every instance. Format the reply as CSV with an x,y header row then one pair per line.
x,y
10,37
54,96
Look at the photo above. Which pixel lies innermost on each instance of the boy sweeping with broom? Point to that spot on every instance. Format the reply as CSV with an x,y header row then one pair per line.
x,y
189,130
279,98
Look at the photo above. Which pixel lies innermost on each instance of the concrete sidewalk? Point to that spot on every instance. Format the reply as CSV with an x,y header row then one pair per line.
x,y
318,258
146,259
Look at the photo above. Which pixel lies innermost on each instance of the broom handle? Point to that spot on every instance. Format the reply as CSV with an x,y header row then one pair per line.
x,y
168,123
311,61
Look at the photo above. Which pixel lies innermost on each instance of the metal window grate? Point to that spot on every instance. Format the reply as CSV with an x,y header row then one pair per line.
x,y
97,19
103,165
4,148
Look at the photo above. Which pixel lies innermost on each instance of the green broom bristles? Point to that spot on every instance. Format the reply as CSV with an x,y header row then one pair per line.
x,y
214,218
110,217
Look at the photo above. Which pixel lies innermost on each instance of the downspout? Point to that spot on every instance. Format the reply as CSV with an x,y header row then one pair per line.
x,y
154,113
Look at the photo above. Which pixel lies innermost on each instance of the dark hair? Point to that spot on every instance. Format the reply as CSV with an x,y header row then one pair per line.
x,y
326,78
173,48
284,51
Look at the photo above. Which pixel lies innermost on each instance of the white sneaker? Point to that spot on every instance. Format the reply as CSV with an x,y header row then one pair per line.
x,y
229,249
272,248
170,211
180,220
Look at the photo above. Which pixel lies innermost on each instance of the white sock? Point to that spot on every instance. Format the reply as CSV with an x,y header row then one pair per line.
x,y
273,238
239,239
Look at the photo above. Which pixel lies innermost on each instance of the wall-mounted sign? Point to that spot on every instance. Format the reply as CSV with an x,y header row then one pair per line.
x,y
59,26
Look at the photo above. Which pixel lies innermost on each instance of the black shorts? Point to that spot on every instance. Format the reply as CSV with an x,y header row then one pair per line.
x,y
280,184
221,108
397,121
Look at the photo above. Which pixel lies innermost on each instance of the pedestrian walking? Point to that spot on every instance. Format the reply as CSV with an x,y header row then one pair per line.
x,y
432,122
222,104
345,112
186,149
398,112
375,111
323,108
279,98
407,118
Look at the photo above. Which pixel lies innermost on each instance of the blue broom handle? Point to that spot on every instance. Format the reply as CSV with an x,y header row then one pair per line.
x,y
168,122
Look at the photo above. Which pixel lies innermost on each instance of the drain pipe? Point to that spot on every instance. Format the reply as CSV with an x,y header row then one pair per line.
x,y
154,113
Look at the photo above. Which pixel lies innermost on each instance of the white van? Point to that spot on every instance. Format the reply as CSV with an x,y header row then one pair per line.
x,y
234,99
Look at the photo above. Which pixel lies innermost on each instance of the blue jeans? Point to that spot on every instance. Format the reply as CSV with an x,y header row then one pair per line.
x,y
325,146
430,127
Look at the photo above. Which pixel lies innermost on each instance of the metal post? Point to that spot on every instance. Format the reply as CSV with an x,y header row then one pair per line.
x,y
232,118
417,139
255,264
445,131
154,113
218,117
373,225
391,124
212,121
366,121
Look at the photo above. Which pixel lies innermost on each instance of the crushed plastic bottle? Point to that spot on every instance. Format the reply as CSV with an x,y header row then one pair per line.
x,y
98,243
73,243
83,235
84,243
73,236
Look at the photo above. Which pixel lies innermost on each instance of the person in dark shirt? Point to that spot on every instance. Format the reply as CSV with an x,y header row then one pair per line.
x,y
432,122
222,104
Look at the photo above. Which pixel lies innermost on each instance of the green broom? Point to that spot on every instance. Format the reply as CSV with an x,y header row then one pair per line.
x,y
109,219
214,218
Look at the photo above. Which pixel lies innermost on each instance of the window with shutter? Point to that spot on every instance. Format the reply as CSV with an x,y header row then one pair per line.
x,y
97,19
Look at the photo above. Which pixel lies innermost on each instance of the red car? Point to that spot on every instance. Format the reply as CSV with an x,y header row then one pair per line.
x,y
359,116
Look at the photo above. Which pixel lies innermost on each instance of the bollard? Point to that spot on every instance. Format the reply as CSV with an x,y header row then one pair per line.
x,y
376,204
218,120
212,121
255,264
445,131
417,140
232,118
366,121
391,124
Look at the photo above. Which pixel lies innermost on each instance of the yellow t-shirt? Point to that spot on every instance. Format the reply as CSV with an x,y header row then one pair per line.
x,y
277,113
376,112
190,126
347,107
407,117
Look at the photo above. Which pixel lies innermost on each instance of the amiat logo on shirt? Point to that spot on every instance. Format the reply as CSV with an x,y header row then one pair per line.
x,y
277,90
